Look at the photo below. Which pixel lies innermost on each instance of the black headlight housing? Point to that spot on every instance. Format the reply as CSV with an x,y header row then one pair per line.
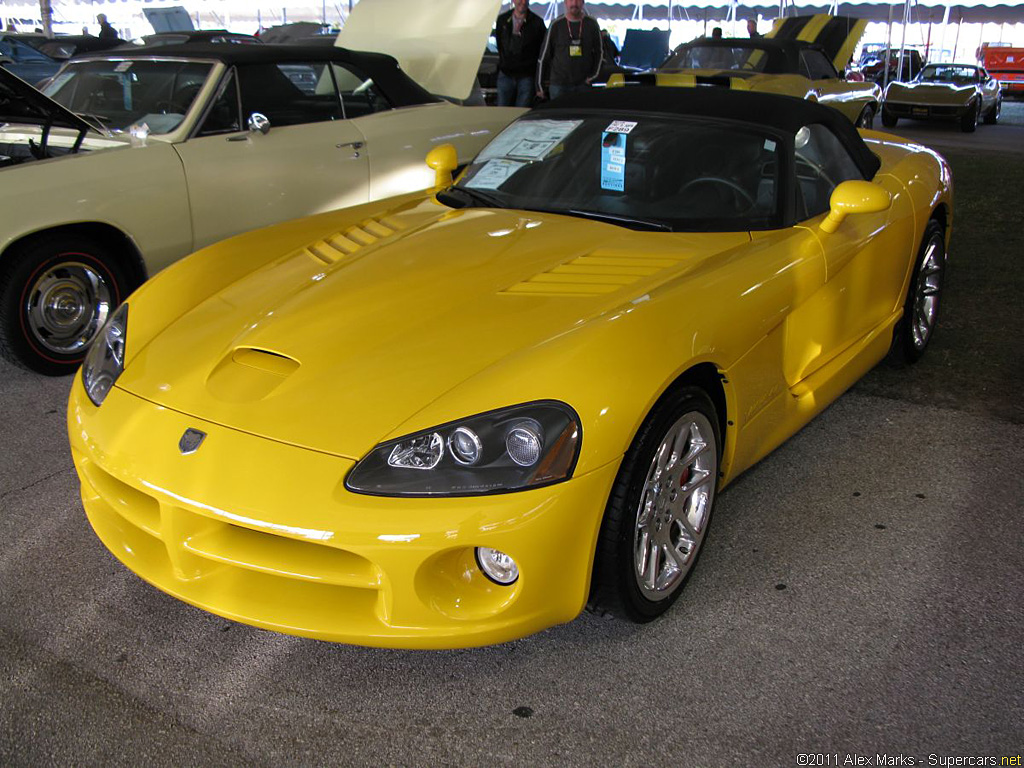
x,y
104,362
501,451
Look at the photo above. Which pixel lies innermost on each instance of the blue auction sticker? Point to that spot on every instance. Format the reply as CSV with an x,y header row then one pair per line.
x,y
613,161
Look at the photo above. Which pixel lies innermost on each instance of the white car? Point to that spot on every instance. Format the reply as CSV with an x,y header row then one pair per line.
x,y
133,159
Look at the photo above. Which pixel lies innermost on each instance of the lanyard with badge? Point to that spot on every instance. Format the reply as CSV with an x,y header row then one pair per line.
x,y
575,44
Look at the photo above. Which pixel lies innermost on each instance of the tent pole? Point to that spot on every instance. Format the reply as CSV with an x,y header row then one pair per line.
x,y
945,26
903,40
956,41
888,52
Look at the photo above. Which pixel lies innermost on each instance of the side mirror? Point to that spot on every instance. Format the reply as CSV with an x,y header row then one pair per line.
x,y
443,159
259,123
854,197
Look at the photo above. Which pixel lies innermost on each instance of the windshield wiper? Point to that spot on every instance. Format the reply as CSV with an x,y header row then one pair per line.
x,y
98,122
451,197
626,221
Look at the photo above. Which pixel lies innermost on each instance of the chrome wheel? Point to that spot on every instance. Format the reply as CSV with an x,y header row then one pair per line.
x,y
674,506
867,118
927,290
66,306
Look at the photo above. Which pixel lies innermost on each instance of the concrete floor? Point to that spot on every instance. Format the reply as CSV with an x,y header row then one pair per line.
x,y
860,594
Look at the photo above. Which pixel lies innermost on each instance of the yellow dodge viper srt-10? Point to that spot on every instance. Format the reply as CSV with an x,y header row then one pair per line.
x,y
803,56
457,417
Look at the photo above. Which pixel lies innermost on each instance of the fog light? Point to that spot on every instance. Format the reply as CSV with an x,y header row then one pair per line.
x,y
497,566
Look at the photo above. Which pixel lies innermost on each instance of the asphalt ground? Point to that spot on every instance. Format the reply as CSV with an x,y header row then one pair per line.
x,y
860,594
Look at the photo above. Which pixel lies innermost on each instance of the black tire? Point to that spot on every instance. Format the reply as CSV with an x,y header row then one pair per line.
x,y
867,117
969,121
56,292
921,307
889,120
992,116
687,414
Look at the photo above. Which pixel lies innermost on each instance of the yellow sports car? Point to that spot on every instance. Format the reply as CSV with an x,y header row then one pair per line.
x,y
802,56
457,417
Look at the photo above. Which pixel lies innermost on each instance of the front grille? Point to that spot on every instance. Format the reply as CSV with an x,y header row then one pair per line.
x,y
231,568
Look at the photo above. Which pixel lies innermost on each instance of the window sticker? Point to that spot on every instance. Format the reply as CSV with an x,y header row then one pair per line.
x,y
769,145
613,161
529,139
620,126
493,174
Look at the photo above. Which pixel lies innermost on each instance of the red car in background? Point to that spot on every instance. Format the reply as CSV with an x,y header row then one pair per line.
x,y
1005,64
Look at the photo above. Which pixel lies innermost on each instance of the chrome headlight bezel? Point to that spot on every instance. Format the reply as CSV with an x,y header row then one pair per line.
x,y
104,363
424,463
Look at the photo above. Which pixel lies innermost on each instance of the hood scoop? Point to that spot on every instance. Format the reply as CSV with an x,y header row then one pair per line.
x,y
247,374
346,242
593,274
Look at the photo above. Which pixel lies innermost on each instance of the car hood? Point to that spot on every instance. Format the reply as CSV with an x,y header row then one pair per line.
x,y
338,345
438,44
931,93
837,35
21,103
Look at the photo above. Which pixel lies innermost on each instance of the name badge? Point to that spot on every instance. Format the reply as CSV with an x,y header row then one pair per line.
x,y
575,49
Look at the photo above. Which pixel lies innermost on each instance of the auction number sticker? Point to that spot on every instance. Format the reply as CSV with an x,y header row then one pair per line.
x,y
613,161
620,126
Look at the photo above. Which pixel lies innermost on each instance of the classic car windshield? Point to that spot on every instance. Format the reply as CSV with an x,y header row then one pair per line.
x,y
739,57
654,172
121,93
945,73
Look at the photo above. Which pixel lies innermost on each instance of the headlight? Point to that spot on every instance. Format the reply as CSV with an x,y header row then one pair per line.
x,y
511,449
105,360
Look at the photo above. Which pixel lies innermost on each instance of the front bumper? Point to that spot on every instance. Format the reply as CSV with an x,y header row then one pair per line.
x,y
925,111
266,534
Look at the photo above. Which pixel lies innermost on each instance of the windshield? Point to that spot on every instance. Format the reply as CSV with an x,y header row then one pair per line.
x,y
654,172
733,57
122,93
956,75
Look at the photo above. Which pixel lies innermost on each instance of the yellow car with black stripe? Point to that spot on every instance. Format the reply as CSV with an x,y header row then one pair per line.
x,y
458,417
802,57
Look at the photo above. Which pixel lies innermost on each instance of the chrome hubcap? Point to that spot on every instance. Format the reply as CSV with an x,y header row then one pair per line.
x,y
926,293
66,307
674,506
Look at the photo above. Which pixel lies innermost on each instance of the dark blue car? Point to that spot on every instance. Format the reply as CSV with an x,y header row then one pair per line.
x,y
21,59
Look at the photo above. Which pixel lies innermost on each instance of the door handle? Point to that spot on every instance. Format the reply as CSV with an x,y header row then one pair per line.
x,y
242,137
353,144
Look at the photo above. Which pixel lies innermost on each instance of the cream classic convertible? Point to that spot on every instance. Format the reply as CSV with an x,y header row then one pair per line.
x,y
134,159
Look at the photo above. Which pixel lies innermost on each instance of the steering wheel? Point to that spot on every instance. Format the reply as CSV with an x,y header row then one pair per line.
x,y
816,168
744,194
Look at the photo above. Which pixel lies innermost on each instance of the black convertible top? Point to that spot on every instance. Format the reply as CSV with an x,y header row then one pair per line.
x,y
398,87
780,114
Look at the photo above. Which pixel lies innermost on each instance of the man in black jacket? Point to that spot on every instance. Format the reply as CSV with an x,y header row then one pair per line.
x,y
520,33
107,32
571,56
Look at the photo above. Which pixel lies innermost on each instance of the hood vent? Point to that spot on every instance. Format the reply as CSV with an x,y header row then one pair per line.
x,y
334,248
593,275
247,374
